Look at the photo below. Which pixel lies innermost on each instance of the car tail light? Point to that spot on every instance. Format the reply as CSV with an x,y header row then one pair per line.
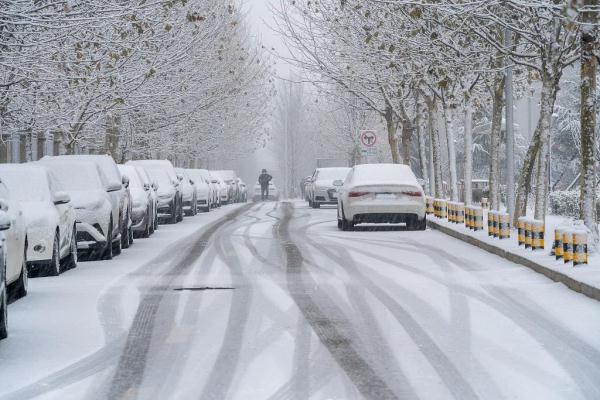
x,y
412,193
357,194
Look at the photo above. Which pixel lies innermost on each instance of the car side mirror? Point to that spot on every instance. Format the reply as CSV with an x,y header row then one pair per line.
x,y
338,182
147,186
3,206
192,182
125,181
114,186
61,198
4,221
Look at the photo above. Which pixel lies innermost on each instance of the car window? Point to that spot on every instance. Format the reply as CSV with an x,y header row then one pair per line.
x,y
27,185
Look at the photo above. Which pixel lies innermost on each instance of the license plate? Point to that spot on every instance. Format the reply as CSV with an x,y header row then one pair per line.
x,y
385,196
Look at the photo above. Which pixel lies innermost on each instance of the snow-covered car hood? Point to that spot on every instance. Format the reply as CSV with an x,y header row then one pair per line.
x,y
324,183
163,191
138,198
88,200
37,214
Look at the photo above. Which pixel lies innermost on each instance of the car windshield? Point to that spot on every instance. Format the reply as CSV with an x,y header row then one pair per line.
x,y
333,173
26,185
79,176
160,176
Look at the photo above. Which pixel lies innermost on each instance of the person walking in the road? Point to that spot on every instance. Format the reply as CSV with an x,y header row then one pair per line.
x,y
264,180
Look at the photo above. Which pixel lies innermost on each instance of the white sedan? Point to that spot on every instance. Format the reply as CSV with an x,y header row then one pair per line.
x,y
16,244
48,215
322,190
381,193
4,225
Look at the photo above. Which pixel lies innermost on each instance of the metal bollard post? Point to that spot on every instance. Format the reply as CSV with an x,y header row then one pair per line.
x,y
450,206
503,225
521,231
490,223
567,246
435,207
580,247
537,235
495,226
429,200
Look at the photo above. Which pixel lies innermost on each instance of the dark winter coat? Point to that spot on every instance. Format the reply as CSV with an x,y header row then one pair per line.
x,y
264,179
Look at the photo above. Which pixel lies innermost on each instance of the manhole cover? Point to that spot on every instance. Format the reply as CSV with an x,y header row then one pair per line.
x,y
198,289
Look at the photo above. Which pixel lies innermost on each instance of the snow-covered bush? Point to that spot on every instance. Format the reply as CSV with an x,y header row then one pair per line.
x,y
566,203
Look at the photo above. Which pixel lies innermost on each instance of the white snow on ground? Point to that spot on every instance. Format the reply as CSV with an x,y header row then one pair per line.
x,y
60,321
589,274
426,315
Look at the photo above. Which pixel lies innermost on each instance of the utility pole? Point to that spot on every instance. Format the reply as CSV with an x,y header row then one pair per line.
x,y
510,134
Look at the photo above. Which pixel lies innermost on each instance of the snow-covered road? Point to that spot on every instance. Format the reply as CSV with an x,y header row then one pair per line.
x,y
275,303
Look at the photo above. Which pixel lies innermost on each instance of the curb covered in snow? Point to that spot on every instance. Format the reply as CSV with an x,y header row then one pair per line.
x,y
573,284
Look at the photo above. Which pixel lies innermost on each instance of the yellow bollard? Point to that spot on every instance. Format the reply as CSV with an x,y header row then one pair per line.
x,y
443,209
537,235
477,218
435,207
484,202
527,233
567,246
580,247
490,223
450,211
495,226
503,225
521,231
468,217
428,205
557,245
460,213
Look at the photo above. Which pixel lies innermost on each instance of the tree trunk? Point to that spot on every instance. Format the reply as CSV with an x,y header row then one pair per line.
x,y
546,110
422,145
451,153
392,127
433,113
407,135
495,140
589,66
468,152
548,97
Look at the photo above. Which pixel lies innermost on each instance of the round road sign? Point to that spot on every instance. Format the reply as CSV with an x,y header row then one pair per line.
x,y
368,138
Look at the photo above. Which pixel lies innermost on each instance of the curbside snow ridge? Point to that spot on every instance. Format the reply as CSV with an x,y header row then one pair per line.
x,y
588,289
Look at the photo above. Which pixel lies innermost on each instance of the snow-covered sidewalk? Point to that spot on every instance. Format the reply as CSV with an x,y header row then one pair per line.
x,y
582,278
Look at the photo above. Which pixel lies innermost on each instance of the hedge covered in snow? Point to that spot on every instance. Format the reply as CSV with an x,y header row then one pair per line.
x,y
566,203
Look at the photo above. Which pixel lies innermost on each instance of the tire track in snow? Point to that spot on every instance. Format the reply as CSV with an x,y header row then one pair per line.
x,y
565,347
330,332
130,370
223,371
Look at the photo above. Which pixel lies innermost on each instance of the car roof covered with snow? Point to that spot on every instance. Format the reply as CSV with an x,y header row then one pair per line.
x,y
26,182
332,173
156,164
107,164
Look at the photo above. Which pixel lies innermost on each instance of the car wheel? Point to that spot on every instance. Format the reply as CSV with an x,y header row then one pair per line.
x,y
53,268
317,205
23,283
72,257
180,212
118,247
148,229
108,250
174,216
421,224
3,315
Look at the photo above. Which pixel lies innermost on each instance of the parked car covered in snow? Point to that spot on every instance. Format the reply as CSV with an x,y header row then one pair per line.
x,y
381,193
96,214
188,192
142,208
169,188
321,188
115,188
203,189
16,244
48,215
273,192
223,188
4,226
151,188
